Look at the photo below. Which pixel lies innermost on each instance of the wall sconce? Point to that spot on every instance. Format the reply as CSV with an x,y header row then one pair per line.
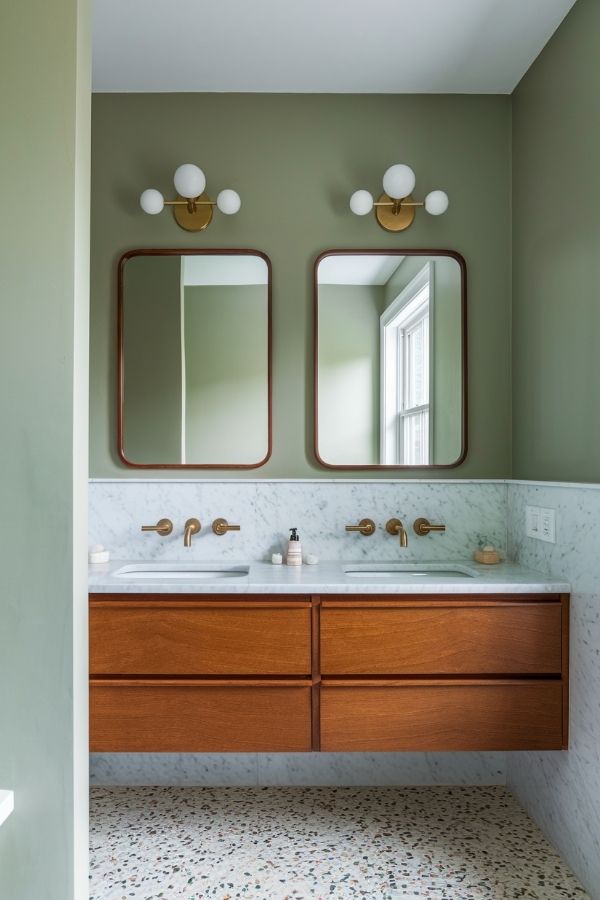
x,y
395,209
193,209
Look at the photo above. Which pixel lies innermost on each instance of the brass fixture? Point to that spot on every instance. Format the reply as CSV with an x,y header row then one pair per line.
x,y
162,527
395,208
193,208
395,527
423,526
192,526
366,527
222,526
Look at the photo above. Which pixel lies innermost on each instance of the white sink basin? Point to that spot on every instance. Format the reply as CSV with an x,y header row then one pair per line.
x,y
409,570
179,572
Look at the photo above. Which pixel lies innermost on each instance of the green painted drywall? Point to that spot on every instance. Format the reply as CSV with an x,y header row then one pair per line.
x,y
226,366
152,359
556,252
349,373
44,248
295,160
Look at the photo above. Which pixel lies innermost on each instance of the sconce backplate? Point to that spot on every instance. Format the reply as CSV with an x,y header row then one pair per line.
x,y
394,222
197,220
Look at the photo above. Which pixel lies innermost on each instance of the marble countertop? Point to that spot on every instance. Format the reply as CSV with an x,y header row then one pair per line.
x,y
7,804
328,578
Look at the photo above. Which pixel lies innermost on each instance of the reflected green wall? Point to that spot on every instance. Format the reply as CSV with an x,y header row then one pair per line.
x,y
556,256
295,159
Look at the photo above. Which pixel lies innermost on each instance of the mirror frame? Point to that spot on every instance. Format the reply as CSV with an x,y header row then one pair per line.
x,y
189,251
406,251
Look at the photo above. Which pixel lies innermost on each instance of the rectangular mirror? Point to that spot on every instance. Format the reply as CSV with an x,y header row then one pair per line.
x,y
390,359
194,359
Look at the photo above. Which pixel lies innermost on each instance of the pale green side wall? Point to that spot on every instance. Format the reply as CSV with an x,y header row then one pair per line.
x,y
556,256
226,365
295,160
44,242
349,373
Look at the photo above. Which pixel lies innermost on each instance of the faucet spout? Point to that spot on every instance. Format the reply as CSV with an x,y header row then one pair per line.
x,y
192,526
395,527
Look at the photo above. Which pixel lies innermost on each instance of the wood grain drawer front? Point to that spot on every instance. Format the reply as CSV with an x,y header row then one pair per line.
x,y
517,639
485,716
146,639
196,718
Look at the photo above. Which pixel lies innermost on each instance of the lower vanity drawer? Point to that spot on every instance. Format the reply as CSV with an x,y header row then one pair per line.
x,y
197,717
507,715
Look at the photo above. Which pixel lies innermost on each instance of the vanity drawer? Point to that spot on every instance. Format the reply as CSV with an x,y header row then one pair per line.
x,y
197,717
178,637
445,638
517,715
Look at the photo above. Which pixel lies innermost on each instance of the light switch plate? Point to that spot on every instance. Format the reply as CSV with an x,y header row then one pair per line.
x,y
540,523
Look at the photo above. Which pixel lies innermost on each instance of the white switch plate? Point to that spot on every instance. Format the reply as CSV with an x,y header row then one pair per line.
x,y
540,523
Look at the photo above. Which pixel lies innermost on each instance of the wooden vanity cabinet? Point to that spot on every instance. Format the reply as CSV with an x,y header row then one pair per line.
x,y
335,673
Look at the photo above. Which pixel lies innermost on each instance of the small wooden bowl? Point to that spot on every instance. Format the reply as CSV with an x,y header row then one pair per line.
x,y
487,557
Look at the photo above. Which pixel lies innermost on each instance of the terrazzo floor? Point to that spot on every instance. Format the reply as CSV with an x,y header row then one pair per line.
x,y
438,843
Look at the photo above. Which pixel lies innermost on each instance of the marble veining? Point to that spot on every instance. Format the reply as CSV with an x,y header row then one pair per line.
x,y
562,790
320,510
288,844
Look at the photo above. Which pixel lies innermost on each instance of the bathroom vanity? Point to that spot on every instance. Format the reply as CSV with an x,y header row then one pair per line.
x,y
323,660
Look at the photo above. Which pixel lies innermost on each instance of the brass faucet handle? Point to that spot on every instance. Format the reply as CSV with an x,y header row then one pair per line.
x,y
423,526
222,526
366,527
162,527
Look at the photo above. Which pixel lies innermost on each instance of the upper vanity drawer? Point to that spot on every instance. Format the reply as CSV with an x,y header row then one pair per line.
x,y
173,637
495,639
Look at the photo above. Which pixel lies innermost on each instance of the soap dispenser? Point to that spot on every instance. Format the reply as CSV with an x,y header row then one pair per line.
x,y
294,553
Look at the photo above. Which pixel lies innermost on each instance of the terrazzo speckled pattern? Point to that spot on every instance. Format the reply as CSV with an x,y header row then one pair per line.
x,y
475,843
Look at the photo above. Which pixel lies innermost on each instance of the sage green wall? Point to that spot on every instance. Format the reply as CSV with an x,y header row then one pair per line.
x,y
556,256
44,249
152,370
349,373
226,373
295,160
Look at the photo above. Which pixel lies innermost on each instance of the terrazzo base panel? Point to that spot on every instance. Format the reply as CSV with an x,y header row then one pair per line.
x,y
439,843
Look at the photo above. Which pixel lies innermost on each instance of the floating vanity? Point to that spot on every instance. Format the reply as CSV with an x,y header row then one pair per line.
x,y
445,656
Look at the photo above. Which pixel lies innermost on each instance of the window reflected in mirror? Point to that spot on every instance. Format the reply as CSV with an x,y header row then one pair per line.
x,y
390,359
194,359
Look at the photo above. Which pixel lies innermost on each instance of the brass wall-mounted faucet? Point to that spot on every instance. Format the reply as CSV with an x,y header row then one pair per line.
x,y
395,527
192,526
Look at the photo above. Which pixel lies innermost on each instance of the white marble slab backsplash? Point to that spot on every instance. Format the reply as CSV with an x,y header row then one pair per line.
x,y
319,509
561,791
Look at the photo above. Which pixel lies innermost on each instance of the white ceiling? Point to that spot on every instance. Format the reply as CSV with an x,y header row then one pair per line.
x,y
200,269
367,268
320,46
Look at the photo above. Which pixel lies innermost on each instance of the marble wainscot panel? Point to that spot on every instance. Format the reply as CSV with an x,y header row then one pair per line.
x,y
561,791
297,769
319,509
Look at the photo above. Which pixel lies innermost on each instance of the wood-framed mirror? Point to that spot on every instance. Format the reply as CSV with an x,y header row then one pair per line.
x,y
390,359
194,348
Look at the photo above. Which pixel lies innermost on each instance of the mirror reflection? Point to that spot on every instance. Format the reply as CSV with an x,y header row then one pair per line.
x,y
389,359
194,354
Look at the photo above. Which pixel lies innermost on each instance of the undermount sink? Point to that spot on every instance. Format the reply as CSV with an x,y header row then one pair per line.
x,y
180,572
410,570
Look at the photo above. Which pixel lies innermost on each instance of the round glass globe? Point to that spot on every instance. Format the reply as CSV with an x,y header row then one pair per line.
x,y
189,181
436,203
152,202
229,202
399,181
361,203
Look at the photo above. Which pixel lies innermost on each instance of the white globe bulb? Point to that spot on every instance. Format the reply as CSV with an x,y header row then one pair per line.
x,y
436,203
189,181
361,203
399,181
152,202
229,202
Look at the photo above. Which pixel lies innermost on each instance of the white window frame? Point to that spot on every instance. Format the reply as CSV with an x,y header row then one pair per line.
x,y
390,437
